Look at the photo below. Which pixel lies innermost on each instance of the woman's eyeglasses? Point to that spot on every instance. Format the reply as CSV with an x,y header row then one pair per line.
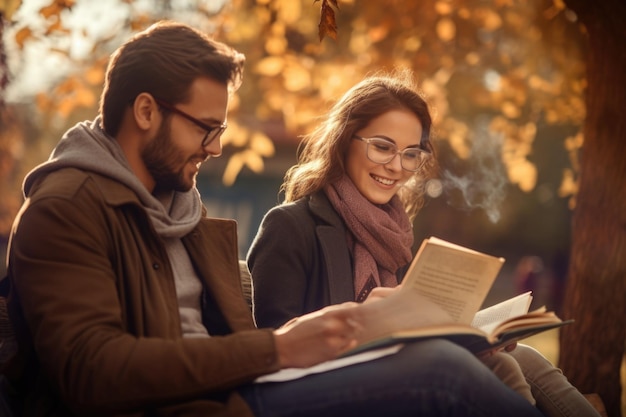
x,y
212,132
381,151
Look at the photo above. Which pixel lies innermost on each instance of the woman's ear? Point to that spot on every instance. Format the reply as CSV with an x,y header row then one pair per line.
x,y
146,112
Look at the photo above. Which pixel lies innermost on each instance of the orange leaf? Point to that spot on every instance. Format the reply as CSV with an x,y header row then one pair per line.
x,y
84,97
43,102
56,7
22,36
9,7
57,27
233,168
446,29
253,160
65,106
261,144
95,74
328,25
50,10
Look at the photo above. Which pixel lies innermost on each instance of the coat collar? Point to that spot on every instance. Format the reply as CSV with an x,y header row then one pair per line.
x,y
321,208
114,192
332,236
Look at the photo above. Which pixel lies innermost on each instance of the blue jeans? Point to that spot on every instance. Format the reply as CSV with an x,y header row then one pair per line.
x,y
429,378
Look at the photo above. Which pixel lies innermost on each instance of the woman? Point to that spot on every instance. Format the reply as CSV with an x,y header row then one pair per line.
x,y
345,227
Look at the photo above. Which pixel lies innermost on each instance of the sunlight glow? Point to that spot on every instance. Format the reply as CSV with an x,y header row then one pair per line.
x,y
47,58
492,80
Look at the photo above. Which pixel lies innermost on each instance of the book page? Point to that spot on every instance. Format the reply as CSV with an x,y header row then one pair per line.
x,y
288,374
455,278
398,311
532,318
488,318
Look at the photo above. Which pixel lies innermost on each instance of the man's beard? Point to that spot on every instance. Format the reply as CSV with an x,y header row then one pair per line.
x,y
165,162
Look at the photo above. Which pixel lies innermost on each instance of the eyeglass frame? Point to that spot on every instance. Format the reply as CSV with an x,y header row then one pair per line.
x,y
209,129
367,141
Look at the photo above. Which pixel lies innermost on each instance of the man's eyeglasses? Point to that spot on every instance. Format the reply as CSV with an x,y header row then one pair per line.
x,y
212,132
381,151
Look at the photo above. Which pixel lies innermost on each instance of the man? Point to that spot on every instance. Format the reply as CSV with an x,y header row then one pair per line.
x,y
126,298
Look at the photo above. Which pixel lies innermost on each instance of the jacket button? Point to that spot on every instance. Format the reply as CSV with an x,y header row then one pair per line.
x,y
155,265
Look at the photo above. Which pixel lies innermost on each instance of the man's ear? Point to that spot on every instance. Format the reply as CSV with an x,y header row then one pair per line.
x,y
146,111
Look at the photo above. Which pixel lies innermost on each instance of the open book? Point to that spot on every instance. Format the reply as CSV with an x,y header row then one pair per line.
x,y
492,328
440,296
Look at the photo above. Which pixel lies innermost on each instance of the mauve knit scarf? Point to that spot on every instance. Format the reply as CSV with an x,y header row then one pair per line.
x,y
380,237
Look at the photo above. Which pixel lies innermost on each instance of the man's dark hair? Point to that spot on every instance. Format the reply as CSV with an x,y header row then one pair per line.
x,y
164,60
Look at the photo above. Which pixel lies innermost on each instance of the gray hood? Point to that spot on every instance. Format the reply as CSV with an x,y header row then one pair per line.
x,y
87,147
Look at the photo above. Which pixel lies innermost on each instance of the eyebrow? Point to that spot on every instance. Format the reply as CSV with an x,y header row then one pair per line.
x,y
416,146
208,120
200,122
212,121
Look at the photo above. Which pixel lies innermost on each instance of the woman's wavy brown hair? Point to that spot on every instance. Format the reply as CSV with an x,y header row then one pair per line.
x,y
322,153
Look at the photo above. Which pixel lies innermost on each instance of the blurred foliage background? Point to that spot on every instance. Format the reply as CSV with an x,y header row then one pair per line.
x,y
504,79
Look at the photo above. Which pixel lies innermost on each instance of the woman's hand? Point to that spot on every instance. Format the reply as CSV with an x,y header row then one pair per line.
x,y
508,348
380,293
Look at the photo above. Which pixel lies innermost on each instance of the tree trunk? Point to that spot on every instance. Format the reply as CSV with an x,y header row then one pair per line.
x,y
591,350
4,69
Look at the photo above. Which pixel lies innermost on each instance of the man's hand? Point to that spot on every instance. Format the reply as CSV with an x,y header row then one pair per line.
x,y
318,336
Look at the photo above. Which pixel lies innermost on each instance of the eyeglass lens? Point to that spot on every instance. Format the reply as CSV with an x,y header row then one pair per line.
x,y
382,151
212,134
